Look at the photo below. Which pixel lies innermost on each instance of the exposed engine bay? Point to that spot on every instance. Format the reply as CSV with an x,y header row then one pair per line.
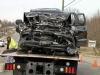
x,y
47,33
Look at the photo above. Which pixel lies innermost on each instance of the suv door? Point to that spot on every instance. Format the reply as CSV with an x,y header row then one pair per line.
x,y
81,35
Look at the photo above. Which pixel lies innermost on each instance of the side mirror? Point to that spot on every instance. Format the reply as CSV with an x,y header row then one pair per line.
x,y
18,21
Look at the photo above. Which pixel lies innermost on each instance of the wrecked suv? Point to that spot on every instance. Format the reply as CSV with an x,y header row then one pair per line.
x,y
51,31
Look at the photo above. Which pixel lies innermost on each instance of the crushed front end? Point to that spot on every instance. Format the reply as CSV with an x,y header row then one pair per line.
x,y
47,33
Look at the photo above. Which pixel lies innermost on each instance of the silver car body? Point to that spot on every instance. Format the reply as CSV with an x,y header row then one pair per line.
x,y
2,43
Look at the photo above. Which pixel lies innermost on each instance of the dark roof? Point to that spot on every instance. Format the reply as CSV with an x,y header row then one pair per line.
x,y
47,10
54,10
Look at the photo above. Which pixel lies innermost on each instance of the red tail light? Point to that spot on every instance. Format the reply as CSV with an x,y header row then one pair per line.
x,y
9,66
70,70
73,70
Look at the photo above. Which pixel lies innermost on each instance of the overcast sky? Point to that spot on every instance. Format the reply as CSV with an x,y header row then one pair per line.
x,y
13,9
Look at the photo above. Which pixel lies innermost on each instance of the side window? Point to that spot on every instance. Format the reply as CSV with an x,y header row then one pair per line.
x,y
81,18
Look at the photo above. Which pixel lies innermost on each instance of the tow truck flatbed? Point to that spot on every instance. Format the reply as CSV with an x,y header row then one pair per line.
x,y
14,53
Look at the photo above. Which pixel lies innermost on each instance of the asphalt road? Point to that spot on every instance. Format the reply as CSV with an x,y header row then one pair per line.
x,y
84,68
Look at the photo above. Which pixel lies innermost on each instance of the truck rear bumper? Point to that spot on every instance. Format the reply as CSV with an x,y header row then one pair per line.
x,y
36,68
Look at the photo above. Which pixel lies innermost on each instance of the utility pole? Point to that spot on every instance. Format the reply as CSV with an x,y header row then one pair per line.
x,y
62,5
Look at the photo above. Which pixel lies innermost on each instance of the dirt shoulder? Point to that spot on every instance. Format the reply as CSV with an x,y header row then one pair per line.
x,y
90,52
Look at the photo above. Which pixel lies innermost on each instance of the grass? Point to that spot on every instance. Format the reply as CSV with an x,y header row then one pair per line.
x,y
86,51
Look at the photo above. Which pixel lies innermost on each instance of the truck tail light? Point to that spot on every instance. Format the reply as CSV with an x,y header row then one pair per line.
x,y
9,66
73,70
70,70
66,70
13,66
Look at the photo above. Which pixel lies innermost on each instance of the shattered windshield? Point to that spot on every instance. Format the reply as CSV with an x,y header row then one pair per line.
x,y
46,17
